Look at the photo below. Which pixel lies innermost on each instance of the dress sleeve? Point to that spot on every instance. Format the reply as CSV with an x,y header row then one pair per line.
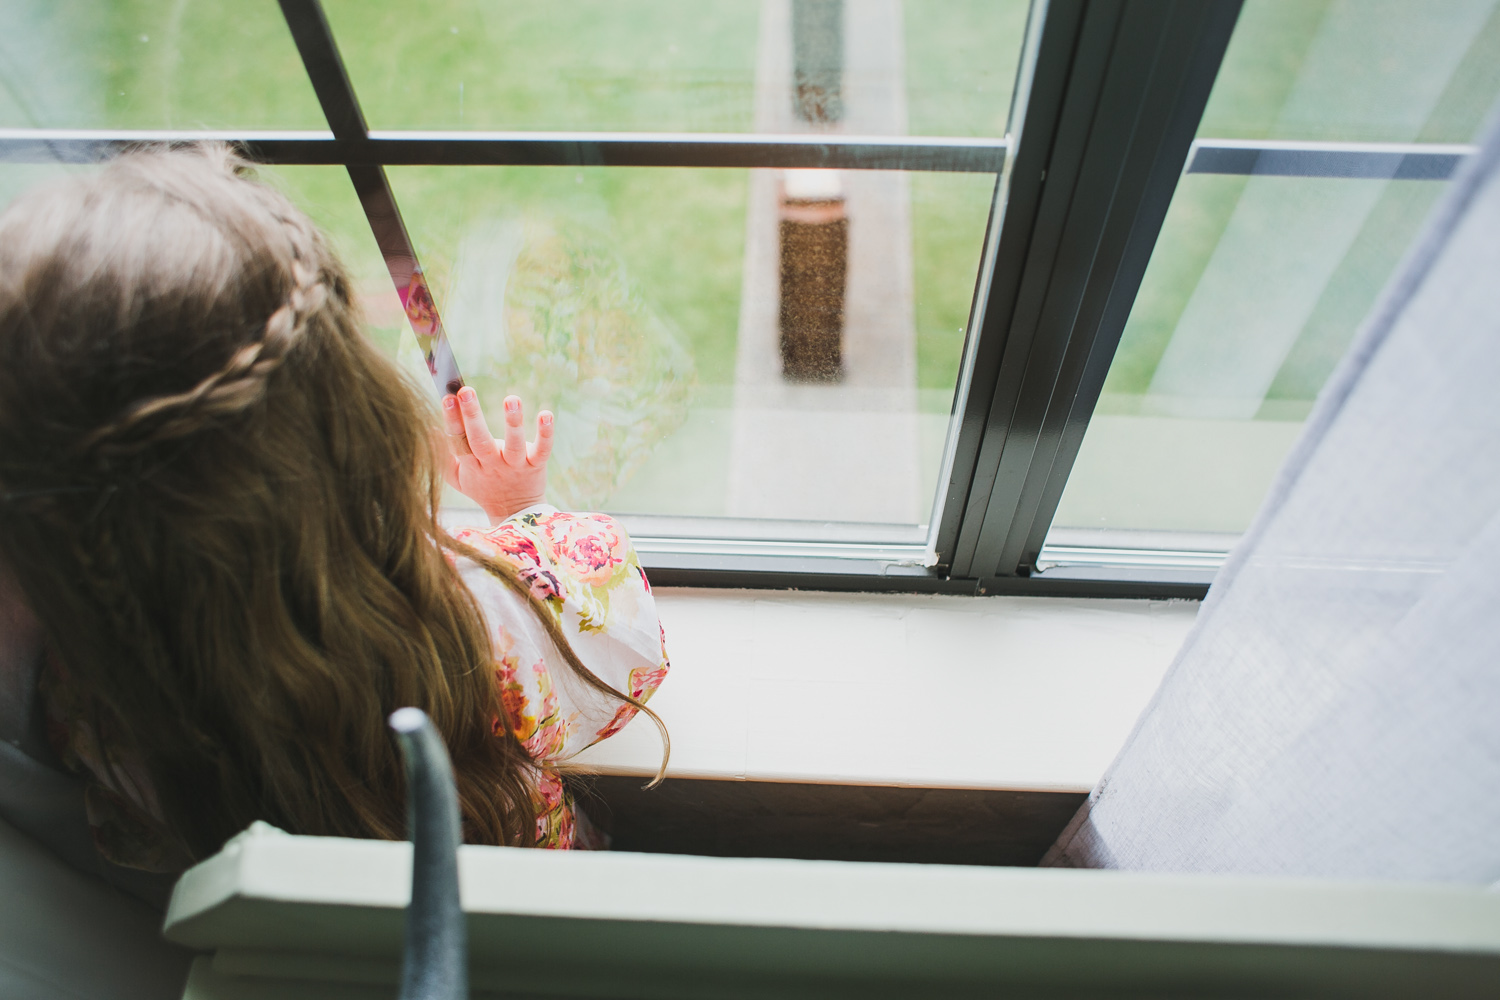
x,y
590,580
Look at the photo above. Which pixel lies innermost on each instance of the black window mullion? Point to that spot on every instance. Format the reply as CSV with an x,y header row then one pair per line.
x,y
1090,142
1146,190
998,287
1137,86
325,69
1054,135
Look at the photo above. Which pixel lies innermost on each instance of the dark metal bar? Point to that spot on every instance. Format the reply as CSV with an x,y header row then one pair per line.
x,y
688,150
1008,244
325,68
873,576
1141,76
611,149
1416,161
1193,42
435,964
581,149
1077,38
1349,160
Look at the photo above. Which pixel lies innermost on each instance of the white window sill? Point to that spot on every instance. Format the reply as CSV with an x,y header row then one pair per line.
x,y
972,692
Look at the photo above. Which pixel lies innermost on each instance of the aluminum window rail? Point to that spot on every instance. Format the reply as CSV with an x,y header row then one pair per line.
x,y
1087,550
1380,161
1108,98
1118,93
535,149
1360,160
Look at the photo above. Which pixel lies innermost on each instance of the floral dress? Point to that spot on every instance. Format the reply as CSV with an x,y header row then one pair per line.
x,y
587,573
591,582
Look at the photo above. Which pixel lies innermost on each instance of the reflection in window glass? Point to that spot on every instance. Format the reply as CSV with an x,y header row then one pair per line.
x,y
1357,71
642,306
684,65
1258,283
151,64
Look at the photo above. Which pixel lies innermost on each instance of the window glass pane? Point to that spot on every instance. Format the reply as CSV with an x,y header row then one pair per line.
x,y
1258,281
1357,70
866,66
642,305
152,64
961,58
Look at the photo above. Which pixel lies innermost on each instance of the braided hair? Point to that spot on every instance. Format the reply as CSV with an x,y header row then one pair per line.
x,y
220,501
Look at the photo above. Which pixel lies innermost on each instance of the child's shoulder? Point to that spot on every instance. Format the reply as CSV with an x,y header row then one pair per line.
x,y
559,547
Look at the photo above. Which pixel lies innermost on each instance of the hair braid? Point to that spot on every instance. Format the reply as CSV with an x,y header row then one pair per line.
x,y
242,380
234,387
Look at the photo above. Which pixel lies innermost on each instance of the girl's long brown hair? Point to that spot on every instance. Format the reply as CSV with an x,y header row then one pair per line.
x,y
220,501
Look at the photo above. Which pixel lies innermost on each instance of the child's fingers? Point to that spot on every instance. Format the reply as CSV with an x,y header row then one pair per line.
x,y
453,428
480,442
457,443
515,438
541,448
453,421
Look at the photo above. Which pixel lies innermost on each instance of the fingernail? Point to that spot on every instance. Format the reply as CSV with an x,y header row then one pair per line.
x,y
449,402
546,420
466,393
512,404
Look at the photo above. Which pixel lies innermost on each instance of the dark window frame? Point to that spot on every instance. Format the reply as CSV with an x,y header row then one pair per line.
x,y
1102,128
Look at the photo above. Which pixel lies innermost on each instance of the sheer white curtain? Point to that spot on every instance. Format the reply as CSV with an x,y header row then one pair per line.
x,y
1336,709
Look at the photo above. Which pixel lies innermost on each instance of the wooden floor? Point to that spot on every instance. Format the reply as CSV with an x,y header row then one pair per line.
x,y
777,819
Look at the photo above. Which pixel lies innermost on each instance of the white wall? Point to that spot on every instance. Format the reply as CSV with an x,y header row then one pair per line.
x,y
987,692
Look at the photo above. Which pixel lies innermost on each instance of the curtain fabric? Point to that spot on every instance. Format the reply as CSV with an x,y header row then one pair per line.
x,y
1336,709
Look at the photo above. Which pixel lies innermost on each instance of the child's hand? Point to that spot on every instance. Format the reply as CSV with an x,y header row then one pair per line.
x,y
501,479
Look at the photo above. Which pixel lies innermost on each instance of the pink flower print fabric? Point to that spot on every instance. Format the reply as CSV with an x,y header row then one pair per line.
x,y
589,577
592,548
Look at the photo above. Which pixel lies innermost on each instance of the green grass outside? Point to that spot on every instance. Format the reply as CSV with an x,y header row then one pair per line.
x,y
948,217
673,66
961,58
689,65
681,65
667,65
680,233
684,65
153,64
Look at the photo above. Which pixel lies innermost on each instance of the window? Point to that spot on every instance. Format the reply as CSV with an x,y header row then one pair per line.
x,y
1328,137
836,294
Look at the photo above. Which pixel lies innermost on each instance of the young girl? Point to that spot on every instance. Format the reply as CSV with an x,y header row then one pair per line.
x,y
220,502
